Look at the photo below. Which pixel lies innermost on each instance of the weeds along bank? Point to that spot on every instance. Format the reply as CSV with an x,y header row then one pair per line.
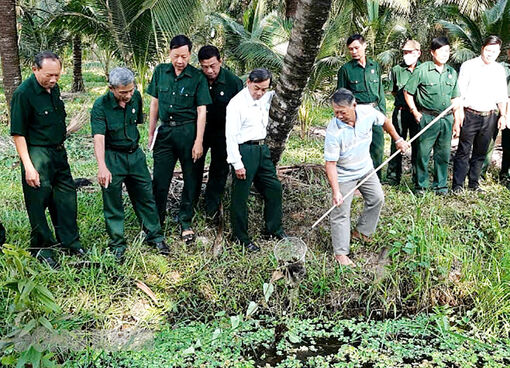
x,y
450,252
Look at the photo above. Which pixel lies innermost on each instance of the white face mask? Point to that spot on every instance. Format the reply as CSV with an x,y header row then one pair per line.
x,y
410,59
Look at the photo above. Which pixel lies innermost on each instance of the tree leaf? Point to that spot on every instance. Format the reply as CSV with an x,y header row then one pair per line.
x,y
268,290
44,322
252,308
235,321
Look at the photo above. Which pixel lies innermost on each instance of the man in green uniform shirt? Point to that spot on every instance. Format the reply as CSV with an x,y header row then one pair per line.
x,y
114,120
430,90
362,76
223,85
402,119
179,97
39,131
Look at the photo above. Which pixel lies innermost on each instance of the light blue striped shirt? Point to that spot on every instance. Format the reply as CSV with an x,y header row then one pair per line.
x,y
349,145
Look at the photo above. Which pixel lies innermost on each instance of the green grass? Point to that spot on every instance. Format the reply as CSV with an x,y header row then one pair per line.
x,y
449,257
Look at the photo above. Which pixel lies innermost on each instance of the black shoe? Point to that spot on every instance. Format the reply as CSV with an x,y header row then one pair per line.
x,y
477,190
278,236
457,190
119,254
252,247
162,247
78,252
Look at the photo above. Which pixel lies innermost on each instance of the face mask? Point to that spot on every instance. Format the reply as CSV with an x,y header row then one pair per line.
x,y
410,59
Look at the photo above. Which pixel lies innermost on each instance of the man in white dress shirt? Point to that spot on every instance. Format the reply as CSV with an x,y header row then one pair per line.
x,y
482,85
246,122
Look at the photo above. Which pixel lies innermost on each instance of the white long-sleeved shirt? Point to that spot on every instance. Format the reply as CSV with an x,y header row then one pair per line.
x,y
246,120
482,85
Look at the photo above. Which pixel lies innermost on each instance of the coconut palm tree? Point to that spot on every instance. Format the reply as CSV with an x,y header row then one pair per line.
x,y
469,33
9,53
301,54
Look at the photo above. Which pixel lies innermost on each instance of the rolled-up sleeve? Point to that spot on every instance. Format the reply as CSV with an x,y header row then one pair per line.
x,y
98,119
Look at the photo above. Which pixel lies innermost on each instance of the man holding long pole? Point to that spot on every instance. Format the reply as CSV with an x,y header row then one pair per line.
x,y
348,162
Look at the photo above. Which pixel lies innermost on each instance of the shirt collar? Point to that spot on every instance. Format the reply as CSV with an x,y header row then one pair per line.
x,y
114,103
406,67
37,87
370,62
220,79
186,72
249,100
432,66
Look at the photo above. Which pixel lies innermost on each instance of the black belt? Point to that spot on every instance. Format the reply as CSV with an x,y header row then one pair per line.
x,y
432,112
57,147
480,113
258,142
123,150
177,123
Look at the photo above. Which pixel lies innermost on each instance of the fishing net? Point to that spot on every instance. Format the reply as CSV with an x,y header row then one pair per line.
x,y
290,254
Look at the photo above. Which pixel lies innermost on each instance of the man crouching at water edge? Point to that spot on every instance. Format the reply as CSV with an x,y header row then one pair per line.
x,y
347,155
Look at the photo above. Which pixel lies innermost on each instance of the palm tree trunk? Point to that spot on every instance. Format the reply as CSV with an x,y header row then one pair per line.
x,y
291,8
78,85
9,48
303,47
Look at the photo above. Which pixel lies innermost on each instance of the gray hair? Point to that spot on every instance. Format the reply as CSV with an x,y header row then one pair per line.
x,y
343,97
260,75
40,57
120,77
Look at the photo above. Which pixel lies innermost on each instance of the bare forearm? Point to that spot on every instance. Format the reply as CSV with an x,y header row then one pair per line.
x,y
332,175
99,147
153,115
201,113
390,129
22,148
410,101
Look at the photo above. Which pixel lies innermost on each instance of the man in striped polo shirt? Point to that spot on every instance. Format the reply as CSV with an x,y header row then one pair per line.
x,y
347,155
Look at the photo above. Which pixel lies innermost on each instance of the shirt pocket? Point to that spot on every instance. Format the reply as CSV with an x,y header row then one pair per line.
x,y
115,128
448,88
164,94
430,88
358,86
186,99
45,115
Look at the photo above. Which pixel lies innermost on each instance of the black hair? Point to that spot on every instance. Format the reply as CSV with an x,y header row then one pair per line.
x,y
343,97
439,42
179,41
40,57
355,37
260,75
492,40
208,51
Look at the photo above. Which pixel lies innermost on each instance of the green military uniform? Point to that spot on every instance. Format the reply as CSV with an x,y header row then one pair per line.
x,y
433,92
39,116
126,162
403,121
366,85
178,98
226,86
